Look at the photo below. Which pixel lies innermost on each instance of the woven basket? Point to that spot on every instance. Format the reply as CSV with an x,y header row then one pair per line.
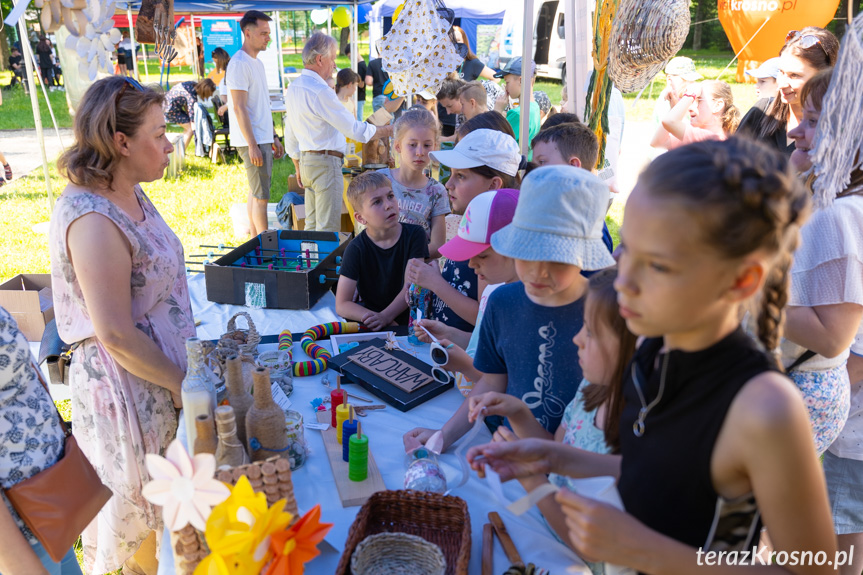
x,y
442,520
247,339
646,34
397,554
271,477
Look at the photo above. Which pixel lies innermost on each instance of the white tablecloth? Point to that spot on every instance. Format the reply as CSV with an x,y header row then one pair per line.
x,y
314,483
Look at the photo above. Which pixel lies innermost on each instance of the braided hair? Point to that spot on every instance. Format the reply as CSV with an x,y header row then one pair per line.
x,y
746,199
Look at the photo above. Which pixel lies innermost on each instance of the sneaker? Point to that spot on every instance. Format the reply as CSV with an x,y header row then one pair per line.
x,y
8,171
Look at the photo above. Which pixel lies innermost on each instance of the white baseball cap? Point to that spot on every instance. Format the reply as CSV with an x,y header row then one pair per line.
x,y
767,69
482,147
486,214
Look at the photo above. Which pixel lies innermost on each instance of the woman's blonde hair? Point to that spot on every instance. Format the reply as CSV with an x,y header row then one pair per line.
x,y
730,114
111,105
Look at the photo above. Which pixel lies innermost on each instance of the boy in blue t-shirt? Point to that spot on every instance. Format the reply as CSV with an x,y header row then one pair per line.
x,y
375,261
525,338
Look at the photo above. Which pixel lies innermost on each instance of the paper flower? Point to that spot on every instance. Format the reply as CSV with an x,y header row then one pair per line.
x,y
298,545
183,486
92,35
238,532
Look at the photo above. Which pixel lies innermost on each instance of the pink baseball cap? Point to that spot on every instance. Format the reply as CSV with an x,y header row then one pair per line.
x,y
486,214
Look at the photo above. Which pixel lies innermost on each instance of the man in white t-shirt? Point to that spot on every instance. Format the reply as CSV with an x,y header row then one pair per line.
x,y
251,119
315,133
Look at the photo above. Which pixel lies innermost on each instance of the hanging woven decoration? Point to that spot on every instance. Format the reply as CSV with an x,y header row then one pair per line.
x,y
838,148
646,34
418,52
599,90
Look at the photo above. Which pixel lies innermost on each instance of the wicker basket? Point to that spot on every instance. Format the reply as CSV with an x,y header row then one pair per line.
x,y
442,520
646,34
271,477
247,339
397,554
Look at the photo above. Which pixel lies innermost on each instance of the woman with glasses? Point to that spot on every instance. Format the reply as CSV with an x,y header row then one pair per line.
x,y
805,53
120,295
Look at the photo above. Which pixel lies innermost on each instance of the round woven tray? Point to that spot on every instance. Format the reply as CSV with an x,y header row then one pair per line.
x,y
397,554
646,34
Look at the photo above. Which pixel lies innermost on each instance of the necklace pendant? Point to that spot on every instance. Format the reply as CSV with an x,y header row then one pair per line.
x,y
638,426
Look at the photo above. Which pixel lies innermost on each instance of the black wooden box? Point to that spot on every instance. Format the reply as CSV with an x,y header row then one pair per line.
x,y
282,269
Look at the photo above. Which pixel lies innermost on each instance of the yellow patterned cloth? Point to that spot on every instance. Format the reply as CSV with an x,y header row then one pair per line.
x,y
418,53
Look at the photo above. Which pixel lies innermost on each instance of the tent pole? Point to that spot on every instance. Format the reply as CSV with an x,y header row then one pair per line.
x,y
279,56
34,102
526,96
146,68
329,21
195,46
355,54
132,38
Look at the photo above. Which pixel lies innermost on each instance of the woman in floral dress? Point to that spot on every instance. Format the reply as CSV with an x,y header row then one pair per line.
x,y
120,293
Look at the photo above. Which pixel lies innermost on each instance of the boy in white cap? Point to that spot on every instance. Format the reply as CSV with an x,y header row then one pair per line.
x,y
680,74
765,79
523,343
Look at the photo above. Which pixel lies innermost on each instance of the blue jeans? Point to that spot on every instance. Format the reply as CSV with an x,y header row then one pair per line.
x,y
68,566
378,102
360,105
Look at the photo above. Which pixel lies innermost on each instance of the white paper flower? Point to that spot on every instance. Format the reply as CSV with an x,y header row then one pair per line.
x,y
184,487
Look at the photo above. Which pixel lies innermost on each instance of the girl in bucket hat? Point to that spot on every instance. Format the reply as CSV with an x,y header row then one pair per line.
x,y
524,338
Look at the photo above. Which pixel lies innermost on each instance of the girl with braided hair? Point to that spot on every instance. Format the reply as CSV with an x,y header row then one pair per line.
x,y
712,435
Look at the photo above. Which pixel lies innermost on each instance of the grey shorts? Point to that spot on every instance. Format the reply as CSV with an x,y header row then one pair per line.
x,y
844,478
258,177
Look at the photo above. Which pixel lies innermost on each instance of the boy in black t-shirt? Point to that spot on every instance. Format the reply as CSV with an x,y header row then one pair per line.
x,y
375,261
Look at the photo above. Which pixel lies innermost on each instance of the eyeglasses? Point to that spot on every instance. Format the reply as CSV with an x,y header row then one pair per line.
x,y
806,41
128,82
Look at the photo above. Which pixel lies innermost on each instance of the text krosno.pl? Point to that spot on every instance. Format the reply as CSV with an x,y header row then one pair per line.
x,y
762,556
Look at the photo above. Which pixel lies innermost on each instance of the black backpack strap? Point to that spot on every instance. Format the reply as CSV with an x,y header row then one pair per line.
x,y
804,357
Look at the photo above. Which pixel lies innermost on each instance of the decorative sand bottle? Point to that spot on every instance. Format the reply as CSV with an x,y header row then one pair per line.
x,y
197,392
205,442
265,421
229,452
238,398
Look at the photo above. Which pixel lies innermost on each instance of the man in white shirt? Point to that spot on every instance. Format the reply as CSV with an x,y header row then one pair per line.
x,y
251,119
315,134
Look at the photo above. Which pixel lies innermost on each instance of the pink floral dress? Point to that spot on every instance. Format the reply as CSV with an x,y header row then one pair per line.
x,y
118,417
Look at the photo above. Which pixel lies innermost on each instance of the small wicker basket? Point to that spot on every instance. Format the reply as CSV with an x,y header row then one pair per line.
x,y
271,477
439,519
247,339
397,554
645,35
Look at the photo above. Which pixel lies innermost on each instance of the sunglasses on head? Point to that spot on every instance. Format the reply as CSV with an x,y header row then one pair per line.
x,y
806,41
128,82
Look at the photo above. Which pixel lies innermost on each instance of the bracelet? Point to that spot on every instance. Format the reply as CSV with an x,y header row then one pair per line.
x,y
689,95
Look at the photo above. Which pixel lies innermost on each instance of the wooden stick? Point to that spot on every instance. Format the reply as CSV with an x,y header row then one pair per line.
x,y
338,381
505,539
359,430
487,549
350,413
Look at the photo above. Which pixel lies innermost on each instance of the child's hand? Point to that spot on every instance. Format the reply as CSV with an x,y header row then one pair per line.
x,y
493,403
503,434
417,434
512,459
422,274
599,532
375,321
501,101
436,328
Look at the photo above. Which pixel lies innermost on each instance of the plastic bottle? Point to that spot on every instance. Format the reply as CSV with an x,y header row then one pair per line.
x,y
420,303
197,391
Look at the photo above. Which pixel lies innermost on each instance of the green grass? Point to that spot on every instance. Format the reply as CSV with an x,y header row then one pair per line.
x,y
196,206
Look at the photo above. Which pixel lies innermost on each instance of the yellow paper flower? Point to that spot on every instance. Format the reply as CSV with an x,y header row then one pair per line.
x,y
238,532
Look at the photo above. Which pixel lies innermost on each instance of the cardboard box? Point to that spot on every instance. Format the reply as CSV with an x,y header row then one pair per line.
x,y
293,186
298,218
283,287
27,297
